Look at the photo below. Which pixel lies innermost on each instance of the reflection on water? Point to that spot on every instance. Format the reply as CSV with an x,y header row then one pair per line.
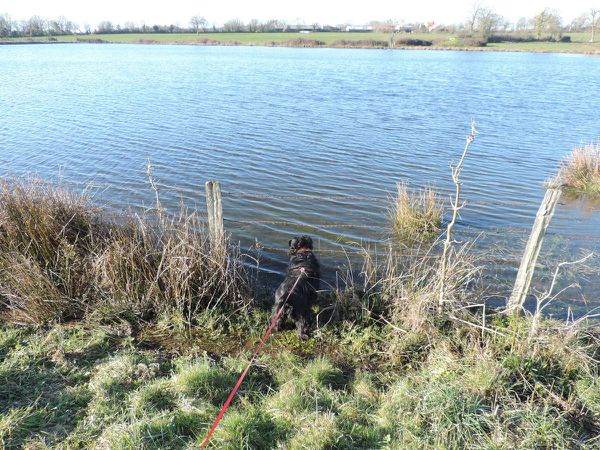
x,y
309,141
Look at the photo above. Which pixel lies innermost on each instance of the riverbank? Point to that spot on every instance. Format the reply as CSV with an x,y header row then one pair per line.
x,y
130,333
431,41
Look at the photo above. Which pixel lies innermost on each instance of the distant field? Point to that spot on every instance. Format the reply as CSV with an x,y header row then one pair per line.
x,y
579,42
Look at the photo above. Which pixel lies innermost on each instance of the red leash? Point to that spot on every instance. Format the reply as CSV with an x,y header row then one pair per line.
x,y
239,382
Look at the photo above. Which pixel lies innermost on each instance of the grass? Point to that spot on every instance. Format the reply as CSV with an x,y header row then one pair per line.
x,y
415,216
62,259
465,390
580,170
440,40
129,365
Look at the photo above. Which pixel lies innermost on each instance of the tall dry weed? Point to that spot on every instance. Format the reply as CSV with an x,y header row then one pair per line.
x,y
61,258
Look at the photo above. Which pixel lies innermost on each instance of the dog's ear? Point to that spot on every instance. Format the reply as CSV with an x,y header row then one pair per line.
x,y
290,243
293,244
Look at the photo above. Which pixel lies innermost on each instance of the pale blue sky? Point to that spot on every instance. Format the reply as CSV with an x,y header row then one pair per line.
x,y
309,11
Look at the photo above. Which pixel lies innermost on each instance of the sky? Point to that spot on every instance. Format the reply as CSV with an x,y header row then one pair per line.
x,y
307,11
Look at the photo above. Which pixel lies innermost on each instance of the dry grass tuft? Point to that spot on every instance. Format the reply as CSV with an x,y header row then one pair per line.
x,y
410,288
580,170
415,216
61,259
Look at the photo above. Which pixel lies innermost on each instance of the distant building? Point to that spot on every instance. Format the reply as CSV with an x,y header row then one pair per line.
x,y
356,28
409,28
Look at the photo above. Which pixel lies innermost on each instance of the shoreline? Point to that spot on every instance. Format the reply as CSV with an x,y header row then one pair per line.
x,y
308,44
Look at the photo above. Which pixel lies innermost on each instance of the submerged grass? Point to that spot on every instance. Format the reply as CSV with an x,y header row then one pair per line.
x,y
580,170
162,337
415,216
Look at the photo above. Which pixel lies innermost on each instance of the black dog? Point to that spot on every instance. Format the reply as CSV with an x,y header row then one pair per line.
x,y
305,291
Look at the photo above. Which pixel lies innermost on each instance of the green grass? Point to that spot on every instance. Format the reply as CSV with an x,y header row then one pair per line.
x,y
460,390
580,41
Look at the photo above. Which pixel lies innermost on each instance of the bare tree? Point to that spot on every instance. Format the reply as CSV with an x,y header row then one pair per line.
x,y
546,21
6,26
521,24
106,27
254,25
457,205
197,23
594,16
233,26
474,15
35,26
488,21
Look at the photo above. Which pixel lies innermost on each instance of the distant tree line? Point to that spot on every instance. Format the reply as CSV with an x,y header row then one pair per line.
x,y
482,21
36,26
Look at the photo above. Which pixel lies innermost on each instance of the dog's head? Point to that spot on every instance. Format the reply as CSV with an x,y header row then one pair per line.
x,y
302,242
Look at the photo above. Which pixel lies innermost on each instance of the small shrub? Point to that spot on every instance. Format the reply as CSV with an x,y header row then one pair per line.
x,y
60,259
360,43
91,40
415,216
413,42
474,42
301,42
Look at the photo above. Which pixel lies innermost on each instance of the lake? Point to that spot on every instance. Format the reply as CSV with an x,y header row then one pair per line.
x,y
311,140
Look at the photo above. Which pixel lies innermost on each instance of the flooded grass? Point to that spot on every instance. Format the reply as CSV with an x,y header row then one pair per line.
x,y
580,171
415,216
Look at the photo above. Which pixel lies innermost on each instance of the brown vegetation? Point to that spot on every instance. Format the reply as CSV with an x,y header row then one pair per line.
x,y
580,170
60,259
415,216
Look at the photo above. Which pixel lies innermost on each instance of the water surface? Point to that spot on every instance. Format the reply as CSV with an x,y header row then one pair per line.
x,y
309,140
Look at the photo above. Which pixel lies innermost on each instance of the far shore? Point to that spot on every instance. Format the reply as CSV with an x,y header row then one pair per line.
x,y
425,41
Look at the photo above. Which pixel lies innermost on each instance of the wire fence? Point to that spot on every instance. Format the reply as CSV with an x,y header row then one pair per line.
x,y
193,192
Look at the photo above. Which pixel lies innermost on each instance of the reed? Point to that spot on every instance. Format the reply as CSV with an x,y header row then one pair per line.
x,y
580,170
415,216
62,258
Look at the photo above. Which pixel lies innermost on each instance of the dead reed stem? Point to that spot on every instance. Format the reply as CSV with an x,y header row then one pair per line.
x,y
456,207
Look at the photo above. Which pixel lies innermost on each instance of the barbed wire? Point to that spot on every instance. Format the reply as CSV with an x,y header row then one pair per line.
x,y
441,198
241,194
384,253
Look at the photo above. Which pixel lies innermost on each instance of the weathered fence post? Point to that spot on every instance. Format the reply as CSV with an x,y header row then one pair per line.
x,y
532,250
214,207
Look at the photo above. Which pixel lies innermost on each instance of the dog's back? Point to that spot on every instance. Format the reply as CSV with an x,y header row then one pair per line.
x,y
301,284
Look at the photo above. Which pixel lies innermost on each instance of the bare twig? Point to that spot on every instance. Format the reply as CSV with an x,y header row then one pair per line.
x,y
549,295
456,207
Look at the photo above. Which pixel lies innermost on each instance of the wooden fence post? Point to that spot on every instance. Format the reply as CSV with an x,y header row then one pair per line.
x,y
532,250
214,207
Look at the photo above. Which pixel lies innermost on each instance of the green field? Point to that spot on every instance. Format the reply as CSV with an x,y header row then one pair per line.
x,y
579,42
